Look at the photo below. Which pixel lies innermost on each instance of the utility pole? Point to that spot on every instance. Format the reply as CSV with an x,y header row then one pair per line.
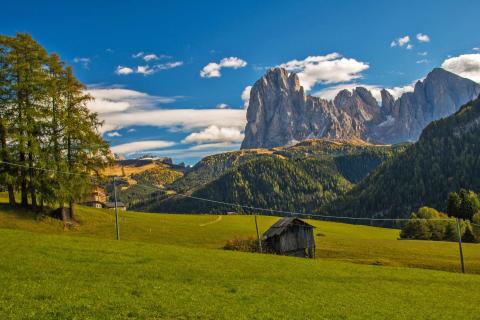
x,y
258,235
117,228
460,245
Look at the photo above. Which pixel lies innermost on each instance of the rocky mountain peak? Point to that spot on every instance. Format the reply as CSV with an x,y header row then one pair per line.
x,y
280,113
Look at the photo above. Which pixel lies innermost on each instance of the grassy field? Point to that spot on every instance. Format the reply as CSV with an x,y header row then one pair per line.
x,y
335,241
56,277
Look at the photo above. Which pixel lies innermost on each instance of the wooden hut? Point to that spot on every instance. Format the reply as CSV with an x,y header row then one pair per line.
x,y
291,237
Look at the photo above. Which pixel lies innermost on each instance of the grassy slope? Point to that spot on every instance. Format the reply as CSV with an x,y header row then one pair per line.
x,y
66,277
335,241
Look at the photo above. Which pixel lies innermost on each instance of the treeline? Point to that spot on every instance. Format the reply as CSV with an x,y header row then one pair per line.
x,y
430,224
45,123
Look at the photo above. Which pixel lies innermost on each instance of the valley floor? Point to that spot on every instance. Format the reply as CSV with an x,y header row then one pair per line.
x,y
57,277
165,267
334,241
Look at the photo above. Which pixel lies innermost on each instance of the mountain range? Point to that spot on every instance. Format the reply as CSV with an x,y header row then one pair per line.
x,y
445,159
340,171
281,113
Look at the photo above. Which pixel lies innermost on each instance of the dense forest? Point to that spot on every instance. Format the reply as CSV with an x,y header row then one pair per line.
x,y
445,159
49,141
299,178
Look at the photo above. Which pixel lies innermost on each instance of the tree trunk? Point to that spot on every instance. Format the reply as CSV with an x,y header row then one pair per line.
x,y
72,212
11,195
31,174
23,191
6,158
63,213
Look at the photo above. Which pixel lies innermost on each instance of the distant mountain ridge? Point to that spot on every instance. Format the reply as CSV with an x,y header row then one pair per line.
x,y
281,113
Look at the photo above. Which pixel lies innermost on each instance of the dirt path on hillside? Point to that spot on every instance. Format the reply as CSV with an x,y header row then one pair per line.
x,y
211,222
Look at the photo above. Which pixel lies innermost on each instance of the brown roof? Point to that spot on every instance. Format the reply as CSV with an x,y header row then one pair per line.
x,y
282,225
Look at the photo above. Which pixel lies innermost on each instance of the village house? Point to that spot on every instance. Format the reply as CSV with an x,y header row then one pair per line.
x,y
96,198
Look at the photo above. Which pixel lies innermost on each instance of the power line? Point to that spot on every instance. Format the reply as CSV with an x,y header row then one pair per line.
x,y
45,169
291,213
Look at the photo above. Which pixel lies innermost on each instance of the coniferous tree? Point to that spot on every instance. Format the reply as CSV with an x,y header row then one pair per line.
x,y
46,129
7,173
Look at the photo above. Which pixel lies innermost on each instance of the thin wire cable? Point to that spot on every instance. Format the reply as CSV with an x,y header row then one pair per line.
x,y
45,169
291,213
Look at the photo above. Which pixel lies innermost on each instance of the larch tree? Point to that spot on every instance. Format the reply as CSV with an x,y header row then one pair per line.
x,y
47,132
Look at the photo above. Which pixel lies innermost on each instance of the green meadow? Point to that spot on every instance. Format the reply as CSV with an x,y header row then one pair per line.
x,y
335,241
172,267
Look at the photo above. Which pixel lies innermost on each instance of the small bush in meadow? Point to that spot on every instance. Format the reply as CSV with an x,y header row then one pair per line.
x,y
249,244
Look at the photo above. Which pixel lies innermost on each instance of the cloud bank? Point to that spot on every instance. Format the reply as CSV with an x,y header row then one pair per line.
x,y
465,65
330,68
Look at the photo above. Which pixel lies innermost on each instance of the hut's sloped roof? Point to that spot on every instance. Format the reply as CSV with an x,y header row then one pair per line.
x,y
282,224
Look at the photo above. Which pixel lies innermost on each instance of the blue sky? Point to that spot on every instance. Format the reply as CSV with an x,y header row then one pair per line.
x,y
159,102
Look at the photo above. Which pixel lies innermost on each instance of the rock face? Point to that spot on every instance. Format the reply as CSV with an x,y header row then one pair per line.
x,y
281,113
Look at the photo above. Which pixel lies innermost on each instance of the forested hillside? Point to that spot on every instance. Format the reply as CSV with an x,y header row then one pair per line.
x,y
298,178
445,159
137,179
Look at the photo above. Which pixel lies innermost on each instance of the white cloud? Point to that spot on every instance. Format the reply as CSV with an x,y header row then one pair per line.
x,y
330,92
138,146
423,61
423,37
150,56
409,46
215,134
400,41
331,68
114,100
197,151
465,65
476,49
121,70
168,65
123,108
148,70
423,54
222,106
397,92
246,96
85,62
114,134
186,119
212,70
145,70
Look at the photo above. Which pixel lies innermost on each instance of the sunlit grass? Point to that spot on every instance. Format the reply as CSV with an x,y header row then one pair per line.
x,y
56,277
335,241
